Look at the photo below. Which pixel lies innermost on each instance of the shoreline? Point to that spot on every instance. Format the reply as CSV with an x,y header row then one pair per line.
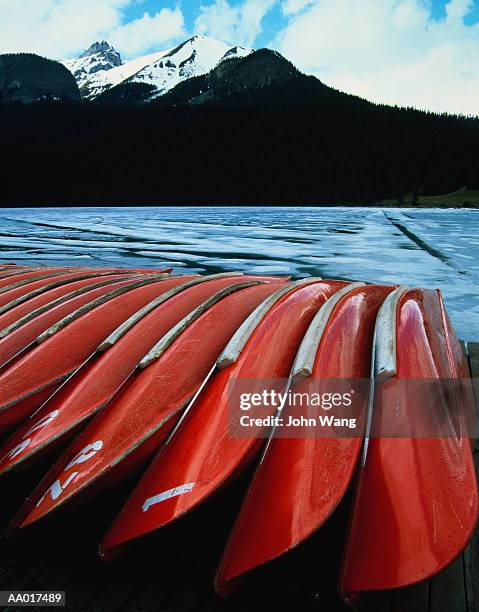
x,y
462,198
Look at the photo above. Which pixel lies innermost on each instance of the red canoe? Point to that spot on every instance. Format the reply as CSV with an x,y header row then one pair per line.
x,y
6,267
198,460
42,279
15,288
144,270
94,384
46,297
19,337
24,277
15,294
300,481
18,273
416,505
66,345
128,431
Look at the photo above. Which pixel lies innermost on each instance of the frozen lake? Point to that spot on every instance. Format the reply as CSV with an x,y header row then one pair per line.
x,y
420,247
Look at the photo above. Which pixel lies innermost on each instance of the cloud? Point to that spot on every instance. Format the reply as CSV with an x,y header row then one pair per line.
x,y
290,7
62,28
389,51
237,24
458,9
147,32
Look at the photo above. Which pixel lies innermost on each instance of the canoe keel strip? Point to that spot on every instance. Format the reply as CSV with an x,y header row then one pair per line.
x,y
403,333
60,300
244,333
129,323
98,302
306,356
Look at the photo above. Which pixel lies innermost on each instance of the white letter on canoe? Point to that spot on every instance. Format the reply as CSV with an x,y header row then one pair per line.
x,y
43,422
17,450
87,453
57,488
156,499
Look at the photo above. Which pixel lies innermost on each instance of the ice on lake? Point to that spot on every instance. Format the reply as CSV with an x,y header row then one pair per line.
x,y
416,247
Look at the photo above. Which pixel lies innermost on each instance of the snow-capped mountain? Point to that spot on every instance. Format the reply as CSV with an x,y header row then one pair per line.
x,y
95,72
100,57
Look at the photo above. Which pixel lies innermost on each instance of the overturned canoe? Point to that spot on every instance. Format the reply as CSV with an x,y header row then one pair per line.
x,y
22,324
130,428
6,267
22,283
198,460
15,288
416,504
127,361
16,293
27,300
66,345
23,277
93,385
301,480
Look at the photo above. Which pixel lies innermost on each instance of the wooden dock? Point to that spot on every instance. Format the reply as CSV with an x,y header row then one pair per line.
x,y
173,571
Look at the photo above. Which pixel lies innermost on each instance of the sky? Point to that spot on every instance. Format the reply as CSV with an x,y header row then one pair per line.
x,y
421,53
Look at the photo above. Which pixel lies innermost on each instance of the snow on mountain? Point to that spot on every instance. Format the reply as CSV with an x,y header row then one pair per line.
x,y
163,69
100,57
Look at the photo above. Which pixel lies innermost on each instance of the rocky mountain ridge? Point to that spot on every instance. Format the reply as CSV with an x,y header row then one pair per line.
x,y
101,67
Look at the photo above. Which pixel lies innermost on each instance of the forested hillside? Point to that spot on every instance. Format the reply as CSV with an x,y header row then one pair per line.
x,y
231,137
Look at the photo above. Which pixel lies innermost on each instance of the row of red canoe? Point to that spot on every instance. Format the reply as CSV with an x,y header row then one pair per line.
x,y
132,370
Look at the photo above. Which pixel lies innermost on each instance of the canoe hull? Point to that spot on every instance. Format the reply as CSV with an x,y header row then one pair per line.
x,y
93,385
300,481
63,352
209,457
416,504
135,422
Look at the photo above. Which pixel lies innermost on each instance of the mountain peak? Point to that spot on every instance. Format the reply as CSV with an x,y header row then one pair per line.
x,y
100,68
99,57
99,47
233,81
201,37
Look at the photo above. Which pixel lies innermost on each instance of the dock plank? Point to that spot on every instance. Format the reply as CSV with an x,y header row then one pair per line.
x,y
473,351
447,589
379,601
411,599
471,554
